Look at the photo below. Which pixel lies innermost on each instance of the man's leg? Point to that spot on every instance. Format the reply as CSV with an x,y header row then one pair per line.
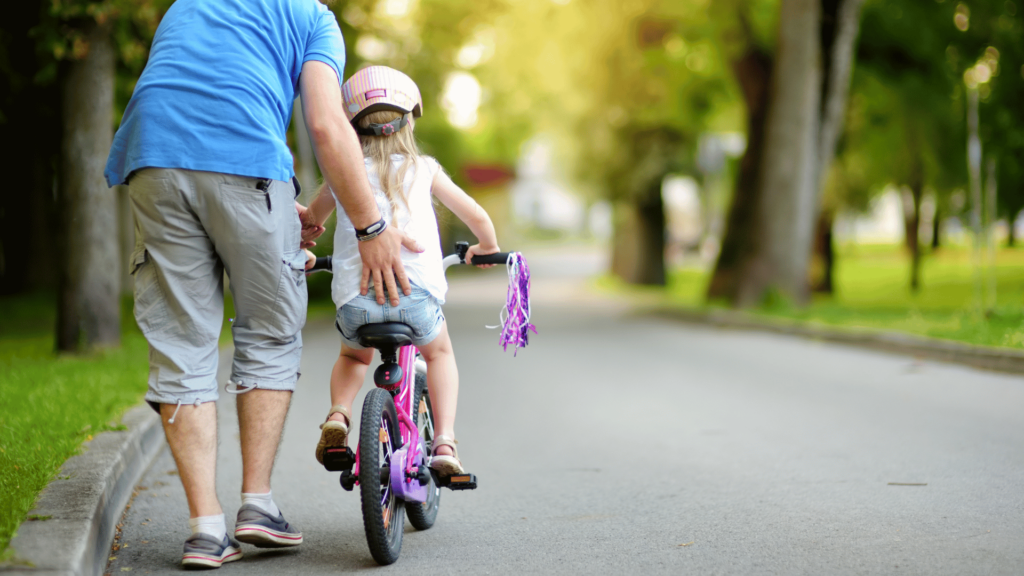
x,y
256,230
193,441
178,306
261,415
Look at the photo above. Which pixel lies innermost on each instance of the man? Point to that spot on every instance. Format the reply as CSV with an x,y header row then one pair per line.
x,y
202,147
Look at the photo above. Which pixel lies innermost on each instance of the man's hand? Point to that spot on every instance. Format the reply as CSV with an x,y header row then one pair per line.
x,y
383,262
311,230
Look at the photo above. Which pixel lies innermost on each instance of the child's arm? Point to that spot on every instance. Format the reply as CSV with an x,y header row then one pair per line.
x,y
310,259
313,216
467,210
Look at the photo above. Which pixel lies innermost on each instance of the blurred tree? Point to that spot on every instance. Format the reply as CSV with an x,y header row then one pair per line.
x,y
769,233
913,123
907,123
992,49
625,89
29,118
749,51
83,41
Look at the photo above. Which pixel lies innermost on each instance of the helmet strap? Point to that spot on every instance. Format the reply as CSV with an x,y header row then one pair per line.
x,y
384,129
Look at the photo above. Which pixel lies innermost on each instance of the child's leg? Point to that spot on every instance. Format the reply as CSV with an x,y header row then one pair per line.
x,y
347,378
443,383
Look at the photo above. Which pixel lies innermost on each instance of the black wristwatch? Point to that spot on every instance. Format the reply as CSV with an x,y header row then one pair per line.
x,y
371,231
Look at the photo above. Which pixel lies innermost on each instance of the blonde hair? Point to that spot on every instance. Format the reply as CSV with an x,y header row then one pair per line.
x,y
381,148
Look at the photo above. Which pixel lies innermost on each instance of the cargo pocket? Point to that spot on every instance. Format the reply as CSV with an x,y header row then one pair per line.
x,y
252,212
290,309
150,305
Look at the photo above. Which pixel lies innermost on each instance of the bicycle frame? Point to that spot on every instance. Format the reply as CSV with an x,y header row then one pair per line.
x,y
409,475
407,460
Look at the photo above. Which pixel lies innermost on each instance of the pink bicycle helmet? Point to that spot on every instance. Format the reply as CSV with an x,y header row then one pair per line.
x,y
380,88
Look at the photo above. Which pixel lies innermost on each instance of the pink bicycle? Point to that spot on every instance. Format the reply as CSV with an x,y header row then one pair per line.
x,y
396,429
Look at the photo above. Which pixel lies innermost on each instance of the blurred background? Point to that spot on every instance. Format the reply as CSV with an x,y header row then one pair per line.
x,y
845,161
856,163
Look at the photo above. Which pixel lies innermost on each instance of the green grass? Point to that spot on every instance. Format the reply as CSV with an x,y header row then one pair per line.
x,y
51,404
872,292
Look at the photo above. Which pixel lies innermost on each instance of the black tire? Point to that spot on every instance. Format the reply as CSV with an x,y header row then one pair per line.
x,y
383,513
422,515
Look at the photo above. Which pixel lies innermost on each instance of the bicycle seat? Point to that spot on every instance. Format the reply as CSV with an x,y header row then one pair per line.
x,y
385,335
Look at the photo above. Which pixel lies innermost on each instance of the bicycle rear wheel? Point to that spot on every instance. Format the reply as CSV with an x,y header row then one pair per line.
x,y
383,513
423,514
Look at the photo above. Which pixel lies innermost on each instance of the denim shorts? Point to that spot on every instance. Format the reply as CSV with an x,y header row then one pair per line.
x,y
419,310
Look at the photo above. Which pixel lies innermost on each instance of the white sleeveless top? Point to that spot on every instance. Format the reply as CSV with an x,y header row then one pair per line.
x,y
418,221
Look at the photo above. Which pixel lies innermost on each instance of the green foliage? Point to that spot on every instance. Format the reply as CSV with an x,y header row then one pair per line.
x,y
908,101
605,80
906,111
66,24
423,40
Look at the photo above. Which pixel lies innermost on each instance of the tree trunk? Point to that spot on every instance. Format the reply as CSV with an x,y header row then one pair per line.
x,y
753,70
125,238
912,225
937,227
1011,234
824,249
31,116
639,245
788,202
88,304
839,27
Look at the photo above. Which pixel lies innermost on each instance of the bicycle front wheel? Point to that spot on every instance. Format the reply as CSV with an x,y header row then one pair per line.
x,y
423,514
383,513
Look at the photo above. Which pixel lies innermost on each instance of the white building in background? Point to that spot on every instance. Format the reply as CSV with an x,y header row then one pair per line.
x,y
683,212
538,198
881,224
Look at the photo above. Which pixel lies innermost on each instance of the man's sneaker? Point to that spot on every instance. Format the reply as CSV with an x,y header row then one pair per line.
x,y
205,551
256,527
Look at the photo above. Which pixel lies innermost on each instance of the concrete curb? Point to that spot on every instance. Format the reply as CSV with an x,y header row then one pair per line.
x,y
84,504
997,359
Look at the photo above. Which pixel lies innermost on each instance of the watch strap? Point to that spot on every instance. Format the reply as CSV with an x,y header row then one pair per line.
x,y
371,231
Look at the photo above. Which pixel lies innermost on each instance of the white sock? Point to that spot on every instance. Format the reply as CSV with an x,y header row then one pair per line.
x,y
263,502
212,525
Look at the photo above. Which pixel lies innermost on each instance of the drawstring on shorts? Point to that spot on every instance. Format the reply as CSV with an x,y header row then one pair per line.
x,y
233,387
178,407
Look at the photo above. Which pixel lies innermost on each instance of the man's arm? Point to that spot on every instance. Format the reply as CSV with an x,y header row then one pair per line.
x,y
340,157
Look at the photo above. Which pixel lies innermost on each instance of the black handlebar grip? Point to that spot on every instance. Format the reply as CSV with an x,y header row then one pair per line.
x,y
496,258
323,263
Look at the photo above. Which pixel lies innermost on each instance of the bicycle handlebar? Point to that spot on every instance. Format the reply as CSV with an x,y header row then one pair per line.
x,y
496,258
323,263
326,263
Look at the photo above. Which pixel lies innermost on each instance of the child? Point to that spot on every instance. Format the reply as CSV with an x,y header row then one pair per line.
x,y
382,104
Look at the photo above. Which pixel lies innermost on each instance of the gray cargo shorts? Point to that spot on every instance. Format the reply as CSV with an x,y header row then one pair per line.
x,y
191,227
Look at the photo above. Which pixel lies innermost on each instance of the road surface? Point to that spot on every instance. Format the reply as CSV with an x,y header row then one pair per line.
x,y
618,443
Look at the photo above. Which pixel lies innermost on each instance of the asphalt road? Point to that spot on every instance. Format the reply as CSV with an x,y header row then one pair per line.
x,y
618,443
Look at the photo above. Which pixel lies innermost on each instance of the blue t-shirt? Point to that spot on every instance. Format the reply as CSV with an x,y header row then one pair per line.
x,y
217,92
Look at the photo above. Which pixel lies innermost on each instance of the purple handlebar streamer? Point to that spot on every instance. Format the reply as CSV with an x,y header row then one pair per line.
x,y
515,318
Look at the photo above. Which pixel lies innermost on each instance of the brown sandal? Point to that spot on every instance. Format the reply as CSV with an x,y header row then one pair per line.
x,y
333,434
444,464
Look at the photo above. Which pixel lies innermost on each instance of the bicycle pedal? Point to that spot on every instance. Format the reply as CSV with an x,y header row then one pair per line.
x,y
347,480
457,481
339,459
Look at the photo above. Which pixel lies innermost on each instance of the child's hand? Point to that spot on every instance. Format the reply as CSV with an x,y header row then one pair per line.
x,y
310,259
478,250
